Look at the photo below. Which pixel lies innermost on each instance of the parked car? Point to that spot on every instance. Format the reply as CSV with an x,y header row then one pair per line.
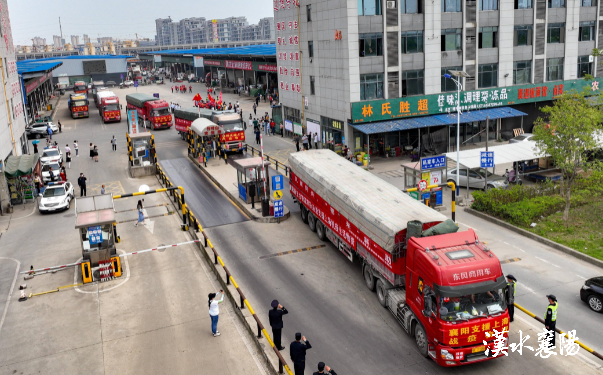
x,y
522,138
57,196
592,293
477,178
46,168
38,130
111,84
51,155
128,83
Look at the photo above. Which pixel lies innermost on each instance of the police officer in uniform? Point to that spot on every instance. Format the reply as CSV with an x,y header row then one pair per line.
x,y
275,316
511,286
297,350
324,369
550,317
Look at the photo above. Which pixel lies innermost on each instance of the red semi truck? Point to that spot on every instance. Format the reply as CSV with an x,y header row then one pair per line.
x,y
109,109
184,117
233,136
151,110
445,288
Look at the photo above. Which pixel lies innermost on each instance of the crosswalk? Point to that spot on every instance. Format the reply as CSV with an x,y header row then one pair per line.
x,y
177,144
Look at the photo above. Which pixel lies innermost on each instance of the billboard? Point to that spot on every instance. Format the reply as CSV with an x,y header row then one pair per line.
x,y
198,61
157,58
214,27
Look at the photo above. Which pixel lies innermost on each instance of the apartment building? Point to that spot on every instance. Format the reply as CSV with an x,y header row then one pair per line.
x,y
370,73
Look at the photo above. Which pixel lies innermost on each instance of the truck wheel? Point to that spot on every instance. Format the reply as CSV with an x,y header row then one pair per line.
x,y
320,231
369,279
312,222
304,214
380,288
421,340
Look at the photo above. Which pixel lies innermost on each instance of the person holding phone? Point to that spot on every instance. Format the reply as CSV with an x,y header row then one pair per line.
x,y
214,310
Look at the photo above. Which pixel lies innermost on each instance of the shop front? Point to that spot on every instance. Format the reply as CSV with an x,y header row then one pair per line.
x,y
333,137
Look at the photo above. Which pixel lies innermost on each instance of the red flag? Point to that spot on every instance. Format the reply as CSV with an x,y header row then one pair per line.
x,y
197,98
220,97
210,98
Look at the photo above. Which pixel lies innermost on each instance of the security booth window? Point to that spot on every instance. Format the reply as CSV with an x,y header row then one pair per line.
x,y
487,75
554,69
488,4
451,6
488,37
522,35
371,86
451,39
523,4
369,7
412,41
411,6
447,83
584,66
370,44
555,33
413,82
522,72
586,31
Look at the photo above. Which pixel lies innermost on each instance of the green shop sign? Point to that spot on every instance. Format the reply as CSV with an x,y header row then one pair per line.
x,y
379,110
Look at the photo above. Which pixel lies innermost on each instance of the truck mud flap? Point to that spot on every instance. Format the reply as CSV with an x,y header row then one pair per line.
x,y
342,246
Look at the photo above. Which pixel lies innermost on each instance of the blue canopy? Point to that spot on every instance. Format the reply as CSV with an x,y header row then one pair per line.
x,y
256,50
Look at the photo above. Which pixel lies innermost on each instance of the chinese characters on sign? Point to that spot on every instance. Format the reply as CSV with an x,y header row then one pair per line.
x,y
287,44
433,162
279,209
487,159
243,65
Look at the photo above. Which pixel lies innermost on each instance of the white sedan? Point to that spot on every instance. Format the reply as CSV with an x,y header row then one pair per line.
x,y
51,155
56,170
128,83
56,197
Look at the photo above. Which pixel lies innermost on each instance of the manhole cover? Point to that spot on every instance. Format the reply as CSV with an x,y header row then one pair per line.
x,y
69,215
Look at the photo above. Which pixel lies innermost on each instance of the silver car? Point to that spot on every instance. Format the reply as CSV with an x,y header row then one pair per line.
x,y
56,170
38,129
477,178
57,196
525,137
51,155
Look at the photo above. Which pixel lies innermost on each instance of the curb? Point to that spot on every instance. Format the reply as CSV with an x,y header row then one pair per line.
x,y
235,200
535,237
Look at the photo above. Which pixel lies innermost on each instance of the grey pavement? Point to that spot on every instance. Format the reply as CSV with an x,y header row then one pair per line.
x,y
153,319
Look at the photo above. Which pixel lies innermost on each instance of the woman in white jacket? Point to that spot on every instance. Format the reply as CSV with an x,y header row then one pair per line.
x,y
214,310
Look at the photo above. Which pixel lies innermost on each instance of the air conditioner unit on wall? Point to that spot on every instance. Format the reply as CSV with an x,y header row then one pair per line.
x,y
391,5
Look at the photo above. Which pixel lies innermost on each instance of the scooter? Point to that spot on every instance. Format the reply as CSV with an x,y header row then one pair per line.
x,y
512,178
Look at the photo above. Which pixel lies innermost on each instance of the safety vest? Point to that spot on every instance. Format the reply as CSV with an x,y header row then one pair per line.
x,y
513,285
553,311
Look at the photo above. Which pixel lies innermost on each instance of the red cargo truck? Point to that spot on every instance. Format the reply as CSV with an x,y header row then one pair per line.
x,y
78,105
233,136
109,109
151,110
445,288
184,117
80,87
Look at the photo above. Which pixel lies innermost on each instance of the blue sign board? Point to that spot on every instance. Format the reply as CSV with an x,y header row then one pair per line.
x,y
135,83
433,162
243,193
156,95
279,209
487,159
95,235
277,182
132,122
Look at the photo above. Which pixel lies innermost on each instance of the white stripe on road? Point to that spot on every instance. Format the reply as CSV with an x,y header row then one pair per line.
x,y
546,261
518,248
467,226
10,292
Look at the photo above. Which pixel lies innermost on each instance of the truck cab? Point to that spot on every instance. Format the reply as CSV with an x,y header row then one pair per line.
x,y
233,135
110,110
456,289
78,105
159,114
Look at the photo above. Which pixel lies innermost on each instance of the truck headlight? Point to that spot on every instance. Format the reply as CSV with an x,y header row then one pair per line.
x,y
446,355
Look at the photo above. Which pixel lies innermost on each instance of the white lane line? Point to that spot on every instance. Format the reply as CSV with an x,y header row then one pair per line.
x,y
526,288
582,277
518,248
235,322
546,261
467,226
10,293
19,218
108,289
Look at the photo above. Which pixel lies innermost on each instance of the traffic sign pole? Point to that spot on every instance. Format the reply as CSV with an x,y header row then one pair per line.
x,y
487,126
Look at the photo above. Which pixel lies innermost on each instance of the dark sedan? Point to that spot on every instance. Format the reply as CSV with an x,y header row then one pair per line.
x,y
592,293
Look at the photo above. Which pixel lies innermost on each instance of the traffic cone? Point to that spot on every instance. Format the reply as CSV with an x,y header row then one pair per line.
x,y
23,297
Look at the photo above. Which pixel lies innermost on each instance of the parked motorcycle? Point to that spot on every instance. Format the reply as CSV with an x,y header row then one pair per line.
x,y
512,178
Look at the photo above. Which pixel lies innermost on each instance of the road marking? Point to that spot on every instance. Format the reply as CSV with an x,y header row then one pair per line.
x,y
135,209
467,226
146,217
292,251
10,293
546,261
510,260
75,273
582,277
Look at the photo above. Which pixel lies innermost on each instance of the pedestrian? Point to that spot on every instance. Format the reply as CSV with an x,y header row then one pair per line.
x,y
273,126
255,124
275,316
237,104
37,184
68,159
172,89
214,310
52,176
315,140
35,146
257,136
550,318
324,369
296,140
255,107
114,143
76,149
511,286
310,140
60,126
305,141
49,132
103,189
266,127
95,151
140,210
81,182
297,351
62,174
281,127
92,150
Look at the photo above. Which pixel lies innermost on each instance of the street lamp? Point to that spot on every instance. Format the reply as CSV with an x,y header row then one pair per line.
x,y
459,87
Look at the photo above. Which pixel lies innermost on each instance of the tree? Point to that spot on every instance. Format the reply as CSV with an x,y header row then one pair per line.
x,y
568,132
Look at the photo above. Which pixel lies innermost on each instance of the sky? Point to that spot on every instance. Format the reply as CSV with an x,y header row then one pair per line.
x,y
119,19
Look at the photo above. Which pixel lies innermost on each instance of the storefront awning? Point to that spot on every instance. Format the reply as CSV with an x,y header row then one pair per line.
x,y
20,165
436,120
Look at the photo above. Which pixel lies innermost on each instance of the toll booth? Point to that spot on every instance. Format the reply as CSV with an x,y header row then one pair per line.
x,y
142,150
414,172
95,222
251,180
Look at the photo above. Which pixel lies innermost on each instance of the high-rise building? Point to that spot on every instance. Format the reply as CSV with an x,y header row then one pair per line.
x,y
164,36
266,28
57,41
75,40
104,40
86,39
38,42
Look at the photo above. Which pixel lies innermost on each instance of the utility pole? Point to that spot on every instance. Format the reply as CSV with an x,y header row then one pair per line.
x,y
61,28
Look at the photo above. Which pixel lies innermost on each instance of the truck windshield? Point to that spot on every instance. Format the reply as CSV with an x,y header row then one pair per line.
x,y
232,125
79,103
80,88
111,107
482,304
161,112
